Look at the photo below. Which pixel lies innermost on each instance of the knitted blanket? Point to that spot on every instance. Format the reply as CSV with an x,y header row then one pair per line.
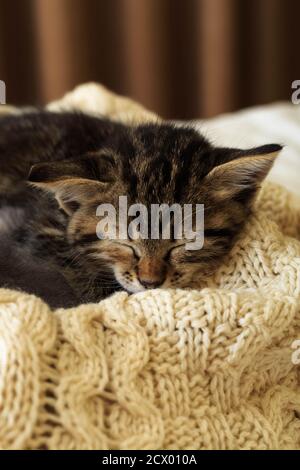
x,y
216,368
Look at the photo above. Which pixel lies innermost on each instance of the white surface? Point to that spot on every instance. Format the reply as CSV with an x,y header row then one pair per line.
x,y
276,123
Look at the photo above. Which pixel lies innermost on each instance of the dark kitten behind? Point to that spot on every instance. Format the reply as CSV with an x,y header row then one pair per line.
x,y
77,162
20,270
26,273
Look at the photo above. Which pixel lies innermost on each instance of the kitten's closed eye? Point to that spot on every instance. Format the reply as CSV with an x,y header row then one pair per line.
x,y
173,251
217,232
134,250
88,238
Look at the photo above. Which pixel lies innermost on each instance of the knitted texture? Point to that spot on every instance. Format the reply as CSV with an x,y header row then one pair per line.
x,y
165,369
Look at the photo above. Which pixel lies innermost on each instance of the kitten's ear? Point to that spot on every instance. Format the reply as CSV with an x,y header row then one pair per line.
x,y
72,181
242,176
97,166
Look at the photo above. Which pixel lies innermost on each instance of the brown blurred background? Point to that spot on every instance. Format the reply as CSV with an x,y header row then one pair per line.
x,y
181,58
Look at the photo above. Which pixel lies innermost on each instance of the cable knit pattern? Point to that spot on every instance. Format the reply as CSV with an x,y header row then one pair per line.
x,y
165,369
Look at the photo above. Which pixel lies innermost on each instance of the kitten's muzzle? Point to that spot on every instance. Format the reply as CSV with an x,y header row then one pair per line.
x,y
151,272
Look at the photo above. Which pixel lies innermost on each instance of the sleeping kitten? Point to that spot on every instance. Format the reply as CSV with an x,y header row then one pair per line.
x,y
57,168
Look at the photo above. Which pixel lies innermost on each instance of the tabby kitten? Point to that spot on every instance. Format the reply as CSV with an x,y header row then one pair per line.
x,y
57,168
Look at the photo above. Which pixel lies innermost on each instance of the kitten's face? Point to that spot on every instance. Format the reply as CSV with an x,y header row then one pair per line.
x,y
158,164
138,266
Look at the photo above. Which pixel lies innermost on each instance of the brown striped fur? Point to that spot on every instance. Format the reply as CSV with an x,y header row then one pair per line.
x,y
76,162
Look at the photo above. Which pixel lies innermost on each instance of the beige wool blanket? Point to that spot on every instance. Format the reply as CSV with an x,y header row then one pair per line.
x,y
216,368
